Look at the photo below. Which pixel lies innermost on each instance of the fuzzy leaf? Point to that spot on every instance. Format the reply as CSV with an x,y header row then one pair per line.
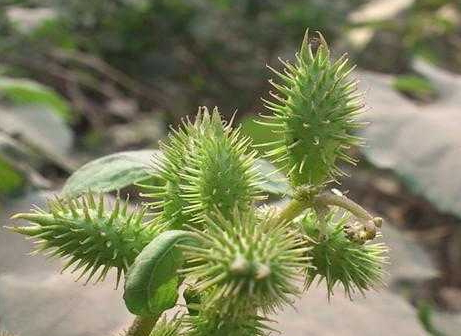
x,y
152,282
112,172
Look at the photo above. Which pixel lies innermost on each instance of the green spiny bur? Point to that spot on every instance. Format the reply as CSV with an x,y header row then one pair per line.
x,y
89,236
207,165
315,110
211,322
221,175
246,261
168,328
338,260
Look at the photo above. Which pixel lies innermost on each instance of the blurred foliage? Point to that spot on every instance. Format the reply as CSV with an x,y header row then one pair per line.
x,y
33,132
428,28
194,52
10,179
425,311
416,87
24,91
433,30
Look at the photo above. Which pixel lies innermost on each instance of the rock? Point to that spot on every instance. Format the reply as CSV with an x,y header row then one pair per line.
x,y
378,10
421,144
381,313
407,260
40,126
451,298
49,304
447,323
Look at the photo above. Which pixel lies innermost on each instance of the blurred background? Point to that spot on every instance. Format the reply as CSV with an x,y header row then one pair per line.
x,y
84,78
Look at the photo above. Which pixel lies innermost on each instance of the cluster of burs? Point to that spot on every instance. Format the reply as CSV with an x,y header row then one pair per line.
x,y
204,244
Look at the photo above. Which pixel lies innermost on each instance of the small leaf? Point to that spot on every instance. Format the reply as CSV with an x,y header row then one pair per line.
x,y
112,172
274,182
152,281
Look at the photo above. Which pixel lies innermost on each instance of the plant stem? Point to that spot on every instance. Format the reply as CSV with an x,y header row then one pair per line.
x,y
293,210
142,326
327,199
321,211
320,203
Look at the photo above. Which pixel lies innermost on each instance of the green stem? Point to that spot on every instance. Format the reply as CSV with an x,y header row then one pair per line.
x,y
293,210
142,326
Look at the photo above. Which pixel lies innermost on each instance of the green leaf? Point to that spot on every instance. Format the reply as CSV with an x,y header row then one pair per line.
x,y
112,172
152,281
274,182
258,132
25,92
417,87
10,180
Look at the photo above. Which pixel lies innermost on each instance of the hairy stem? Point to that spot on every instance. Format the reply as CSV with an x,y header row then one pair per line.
x,y
142,326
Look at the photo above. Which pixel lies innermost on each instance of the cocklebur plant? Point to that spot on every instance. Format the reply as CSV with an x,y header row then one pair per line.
x,y
203,233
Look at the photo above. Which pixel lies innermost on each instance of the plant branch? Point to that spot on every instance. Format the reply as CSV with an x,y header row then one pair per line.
x,y
293,210
142,326
305,198
328,199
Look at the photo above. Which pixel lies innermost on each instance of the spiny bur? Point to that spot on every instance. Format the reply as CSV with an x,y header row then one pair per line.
x,y
210,322
246,261
164,327
206,164
90,236
340,261
314,110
